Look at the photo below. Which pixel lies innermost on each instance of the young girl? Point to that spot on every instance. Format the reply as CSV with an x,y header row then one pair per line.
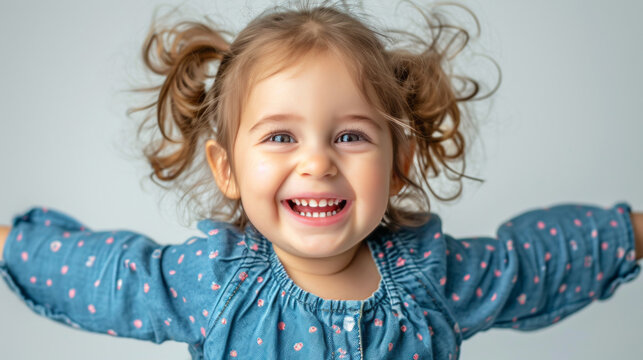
x,y
315,134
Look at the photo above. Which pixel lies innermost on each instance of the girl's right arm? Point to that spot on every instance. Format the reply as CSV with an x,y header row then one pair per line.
x,y
114,282
4,231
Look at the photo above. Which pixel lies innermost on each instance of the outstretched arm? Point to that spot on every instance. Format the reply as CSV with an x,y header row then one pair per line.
x,y
119,282
637,225
4,232
542,266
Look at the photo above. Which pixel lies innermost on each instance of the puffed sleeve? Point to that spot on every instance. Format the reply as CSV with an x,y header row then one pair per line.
x,y
116,282
543,266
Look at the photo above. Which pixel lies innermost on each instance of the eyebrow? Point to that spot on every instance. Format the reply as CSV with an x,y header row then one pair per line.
x,y
285,117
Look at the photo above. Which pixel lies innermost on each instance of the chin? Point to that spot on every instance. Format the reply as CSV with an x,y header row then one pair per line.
x,y
320,248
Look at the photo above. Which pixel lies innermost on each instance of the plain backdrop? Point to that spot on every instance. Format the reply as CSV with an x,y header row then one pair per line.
x,y
565,126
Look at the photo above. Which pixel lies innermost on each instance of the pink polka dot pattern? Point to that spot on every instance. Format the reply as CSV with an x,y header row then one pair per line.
x,y
122,283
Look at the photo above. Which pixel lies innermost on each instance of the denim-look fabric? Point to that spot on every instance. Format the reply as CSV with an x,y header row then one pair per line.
x,y
228,296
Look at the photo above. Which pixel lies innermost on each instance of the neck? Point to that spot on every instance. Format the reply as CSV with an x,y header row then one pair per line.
x,y
327,266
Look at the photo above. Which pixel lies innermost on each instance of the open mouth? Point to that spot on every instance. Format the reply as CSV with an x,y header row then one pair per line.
x,y
316,209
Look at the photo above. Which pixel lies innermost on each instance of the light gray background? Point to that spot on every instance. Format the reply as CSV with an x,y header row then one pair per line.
x,y
565,126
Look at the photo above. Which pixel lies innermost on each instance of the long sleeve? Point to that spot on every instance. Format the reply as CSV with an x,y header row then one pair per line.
x,y
543,266
115,282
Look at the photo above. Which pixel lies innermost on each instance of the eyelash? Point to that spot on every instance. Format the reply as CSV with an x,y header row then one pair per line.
x,y
357,132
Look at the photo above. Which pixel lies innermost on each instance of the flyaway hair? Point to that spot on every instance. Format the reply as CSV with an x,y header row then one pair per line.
x,y
411,86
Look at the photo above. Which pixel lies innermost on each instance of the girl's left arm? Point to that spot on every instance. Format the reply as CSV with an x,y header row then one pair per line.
x,y
542,266
637,225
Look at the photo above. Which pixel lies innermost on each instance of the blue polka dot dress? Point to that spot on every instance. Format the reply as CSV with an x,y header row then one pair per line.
x,y
227,295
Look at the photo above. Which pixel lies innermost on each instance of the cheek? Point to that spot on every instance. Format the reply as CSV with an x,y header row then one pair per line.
x,y
371,179
262,168
260,175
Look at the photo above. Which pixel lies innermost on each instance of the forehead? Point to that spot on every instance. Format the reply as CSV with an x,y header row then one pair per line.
x,y
308,82
293,62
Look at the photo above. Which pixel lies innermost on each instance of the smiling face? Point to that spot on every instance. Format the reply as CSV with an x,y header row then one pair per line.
x,y
308,133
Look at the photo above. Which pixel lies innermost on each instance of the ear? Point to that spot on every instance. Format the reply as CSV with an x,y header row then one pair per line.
x,y
220,167
405,158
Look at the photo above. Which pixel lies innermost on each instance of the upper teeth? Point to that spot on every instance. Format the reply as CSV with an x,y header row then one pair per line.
x,y
316,203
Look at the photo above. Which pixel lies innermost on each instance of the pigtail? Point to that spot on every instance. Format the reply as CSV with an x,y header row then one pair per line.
x,y
182,54
181,116
435,106
434,114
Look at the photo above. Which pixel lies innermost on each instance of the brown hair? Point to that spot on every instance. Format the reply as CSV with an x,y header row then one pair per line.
x,y
412,87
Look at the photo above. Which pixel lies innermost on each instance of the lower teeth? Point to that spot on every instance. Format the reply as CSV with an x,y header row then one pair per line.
x,y
316,214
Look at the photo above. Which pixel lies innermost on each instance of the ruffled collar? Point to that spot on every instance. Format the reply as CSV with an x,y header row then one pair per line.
x,y
262,247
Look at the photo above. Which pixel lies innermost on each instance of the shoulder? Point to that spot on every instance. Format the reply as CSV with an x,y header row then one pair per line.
x,y
218,229
412,245
420,235
222,238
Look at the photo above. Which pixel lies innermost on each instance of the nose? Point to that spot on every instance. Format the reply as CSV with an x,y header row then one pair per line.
x,y
316,163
